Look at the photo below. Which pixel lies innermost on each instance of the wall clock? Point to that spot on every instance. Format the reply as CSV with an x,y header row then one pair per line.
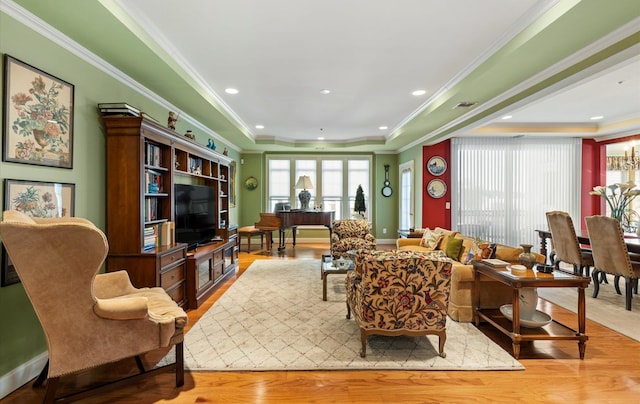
x,y
436,165
386,188
436,188
251,183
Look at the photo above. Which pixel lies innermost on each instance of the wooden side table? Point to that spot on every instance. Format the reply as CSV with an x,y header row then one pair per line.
x,y
530,279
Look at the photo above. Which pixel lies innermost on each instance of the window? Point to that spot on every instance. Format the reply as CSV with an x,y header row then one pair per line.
x,y
407,196
502,188
335,181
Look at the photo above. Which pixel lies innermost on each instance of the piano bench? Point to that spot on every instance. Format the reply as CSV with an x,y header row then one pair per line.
x,y
248,232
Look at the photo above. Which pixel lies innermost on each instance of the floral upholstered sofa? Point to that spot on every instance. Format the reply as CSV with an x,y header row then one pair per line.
x,y
463,250
399,293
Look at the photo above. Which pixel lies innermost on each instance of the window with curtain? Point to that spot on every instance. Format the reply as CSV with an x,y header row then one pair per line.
x,y
335,180
502,188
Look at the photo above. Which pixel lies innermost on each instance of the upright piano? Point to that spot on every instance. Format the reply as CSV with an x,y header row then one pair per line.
x,y
285,219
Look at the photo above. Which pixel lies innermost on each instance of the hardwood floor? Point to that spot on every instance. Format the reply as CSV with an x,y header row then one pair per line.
x,y
609,373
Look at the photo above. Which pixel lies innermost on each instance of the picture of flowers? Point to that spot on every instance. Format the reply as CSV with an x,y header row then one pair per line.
x,y
38,116
35,199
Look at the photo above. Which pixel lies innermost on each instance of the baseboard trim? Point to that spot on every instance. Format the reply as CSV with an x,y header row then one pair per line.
x,y
19,376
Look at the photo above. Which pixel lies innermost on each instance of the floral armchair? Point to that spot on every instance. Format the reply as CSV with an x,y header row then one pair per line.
x,y
399,293
350,234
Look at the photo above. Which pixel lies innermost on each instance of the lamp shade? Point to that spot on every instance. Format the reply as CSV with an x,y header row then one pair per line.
x,y
304,182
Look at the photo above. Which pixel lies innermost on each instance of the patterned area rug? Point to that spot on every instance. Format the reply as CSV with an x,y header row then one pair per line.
x,y
607,309
273,318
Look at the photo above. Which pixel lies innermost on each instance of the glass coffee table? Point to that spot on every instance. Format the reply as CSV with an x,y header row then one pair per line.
x,y
329,266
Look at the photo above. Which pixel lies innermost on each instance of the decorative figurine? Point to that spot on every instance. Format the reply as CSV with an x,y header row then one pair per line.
x,y
211,145
225,152
190,135
172,121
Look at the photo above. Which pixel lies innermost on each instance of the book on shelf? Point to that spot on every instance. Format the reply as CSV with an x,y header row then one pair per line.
x,y
166,234
150,209
153,155
115,107
150,237
152,182
495,262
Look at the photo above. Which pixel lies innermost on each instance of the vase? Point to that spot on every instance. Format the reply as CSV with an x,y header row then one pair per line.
x,y
528,303
41,138
527,258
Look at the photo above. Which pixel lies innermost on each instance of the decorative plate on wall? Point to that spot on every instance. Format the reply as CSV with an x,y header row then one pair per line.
x,y
251,183
436,188
436,165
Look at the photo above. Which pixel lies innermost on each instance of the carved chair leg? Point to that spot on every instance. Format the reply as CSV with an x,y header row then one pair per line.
x,y
442,339
43,375
596,284
50,394
348,311
179,364
363,340
616,283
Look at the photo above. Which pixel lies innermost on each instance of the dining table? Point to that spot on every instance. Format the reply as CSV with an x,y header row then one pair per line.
x,y
631,240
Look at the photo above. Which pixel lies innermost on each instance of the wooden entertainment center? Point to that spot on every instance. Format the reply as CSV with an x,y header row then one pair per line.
x,y
144,162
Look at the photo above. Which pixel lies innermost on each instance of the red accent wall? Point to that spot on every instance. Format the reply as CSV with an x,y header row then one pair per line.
x,y
594,173
434,211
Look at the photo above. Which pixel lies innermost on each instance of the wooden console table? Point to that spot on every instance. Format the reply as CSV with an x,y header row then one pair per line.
x,y
531,279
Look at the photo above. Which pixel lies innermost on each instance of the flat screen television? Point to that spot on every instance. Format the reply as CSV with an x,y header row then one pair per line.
x,y
195,214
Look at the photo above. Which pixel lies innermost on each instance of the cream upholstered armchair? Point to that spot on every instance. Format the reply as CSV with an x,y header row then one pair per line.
x,y
611,256
351,234
565,243
399,293
89,319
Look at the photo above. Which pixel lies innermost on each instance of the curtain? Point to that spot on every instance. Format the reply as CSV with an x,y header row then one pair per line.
x,y
502,187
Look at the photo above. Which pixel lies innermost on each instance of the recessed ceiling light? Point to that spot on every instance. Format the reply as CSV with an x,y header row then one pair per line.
x,y
320,138
383,127
595,118
259,126
419,92
507,117
325,91
231,91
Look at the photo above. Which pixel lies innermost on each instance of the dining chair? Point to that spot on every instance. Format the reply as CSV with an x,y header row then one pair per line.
x,y
566,247
611,256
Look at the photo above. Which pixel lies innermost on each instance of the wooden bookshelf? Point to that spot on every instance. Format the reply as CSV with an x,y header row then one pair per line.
x,y
144,162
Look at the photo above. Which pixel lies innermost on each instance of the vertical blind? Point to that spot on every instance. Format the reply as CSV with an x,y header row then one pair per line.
x,y
502,188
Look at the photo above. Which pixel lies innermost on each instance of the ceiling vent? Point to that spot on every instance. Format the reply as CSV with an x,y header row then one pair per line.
x,y
465,104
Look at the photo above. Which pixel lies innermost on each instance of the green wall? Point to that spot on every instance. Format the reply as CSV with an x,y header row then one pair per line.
x,y
21,337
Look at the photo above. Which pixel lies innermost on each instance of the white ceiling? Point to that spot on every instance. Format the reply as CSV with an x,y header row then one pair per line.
x,y
551,64
371,54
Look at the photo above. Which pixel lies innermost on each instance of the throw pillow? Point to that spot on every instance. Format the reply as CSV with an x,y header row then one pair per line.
x,y
430,239
453,248
488,250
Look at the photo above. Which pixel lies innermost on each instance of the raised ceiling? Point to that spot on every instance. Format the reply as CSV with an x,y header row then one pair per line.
x,y
552,65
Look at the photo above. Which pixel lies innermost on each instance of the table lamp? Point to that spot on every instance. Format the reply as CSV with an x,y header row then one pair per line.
x,y
304,183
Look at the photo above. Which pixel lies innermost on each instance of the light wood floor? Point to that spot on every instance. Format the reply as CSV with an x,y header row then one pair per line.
x,y
610,373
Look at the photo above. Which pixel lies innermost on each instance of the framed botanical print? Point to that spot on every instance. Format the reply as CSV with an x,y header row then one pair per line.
x,y
35,199
38,116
